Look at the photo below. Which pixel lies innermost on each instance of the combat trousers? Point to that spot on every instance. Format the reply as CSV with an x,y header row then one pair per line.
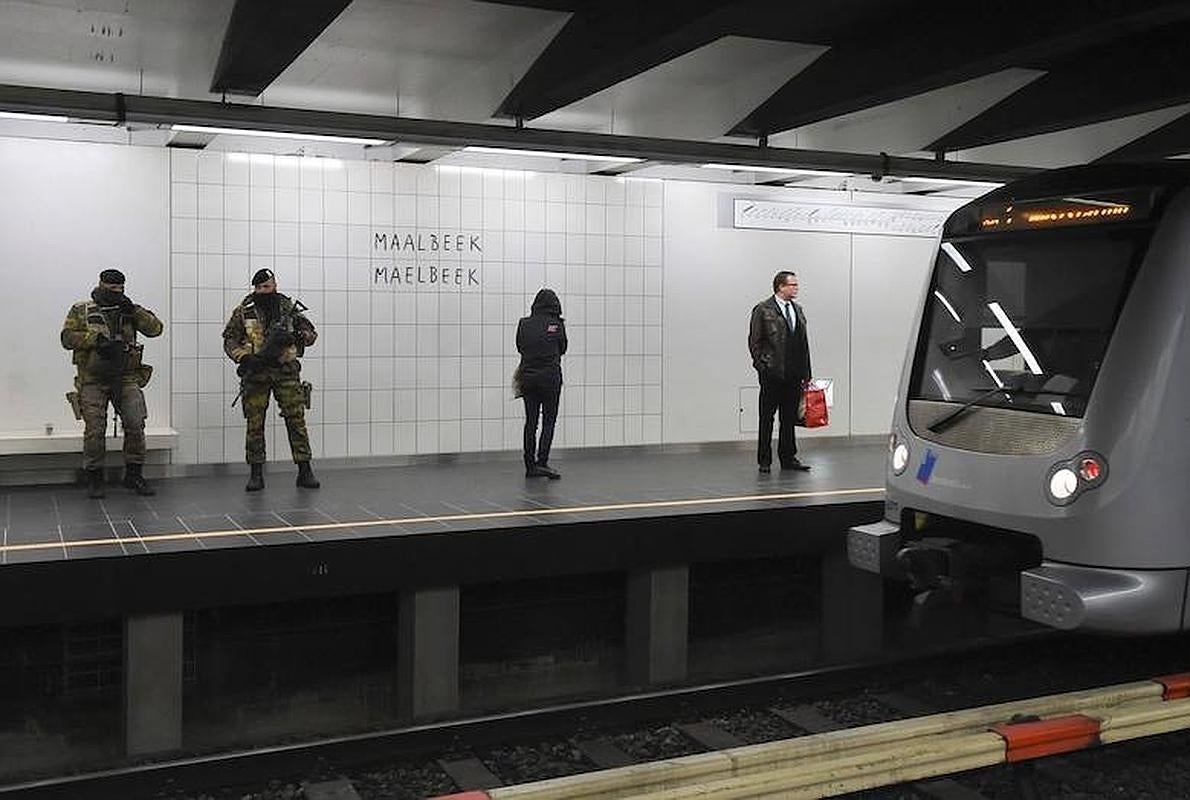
x,y
129,403
286,386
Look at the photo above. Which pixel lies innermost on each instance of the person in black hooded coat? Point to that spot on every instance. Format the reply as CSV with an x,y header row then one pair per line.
x,y
541,341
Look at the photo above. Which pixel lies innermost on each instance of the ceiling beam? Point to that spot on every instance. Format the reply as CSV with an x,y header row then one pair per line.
x,y
164,111
934,45
611,42
261,40
1138,74
1171,139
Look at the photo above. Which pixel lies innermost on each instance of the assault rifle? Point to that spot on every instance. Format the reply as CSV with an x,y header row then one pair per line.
x,y
277,337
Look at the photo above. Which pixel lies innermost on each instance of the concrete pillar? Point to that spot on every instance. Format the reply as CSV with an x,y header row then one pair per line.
x,y
428,652
658,624
152,683
852,609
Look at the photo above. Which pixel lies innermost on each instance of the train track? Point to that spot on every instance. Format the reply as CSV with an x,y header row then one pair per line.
x,y
466,754
260,765
850,760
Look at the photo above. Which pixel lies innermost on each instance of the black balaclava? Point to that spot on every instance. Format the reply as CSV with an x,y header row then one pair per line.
x,y
269,306
270,303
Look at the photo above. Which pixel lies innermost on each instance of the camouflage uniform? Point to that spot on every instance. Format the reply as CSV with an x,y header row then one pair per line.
x,y
244,334
117,380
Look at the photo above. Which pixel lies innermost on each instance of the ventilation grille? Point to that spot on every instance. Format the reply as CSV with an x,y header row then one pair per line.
x,y
985,429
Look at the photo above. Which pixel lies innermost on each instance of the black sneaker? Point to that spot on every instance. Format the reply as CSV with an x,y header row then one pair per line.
x,y
548,472
796,466
765,469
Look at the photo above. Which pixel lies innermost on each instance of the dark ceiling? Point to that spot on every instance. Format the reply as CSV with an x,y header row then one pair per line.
x,y
1102,59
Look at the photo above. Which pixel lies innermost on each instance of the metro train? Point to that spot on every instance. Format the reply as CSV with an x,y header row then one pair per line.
x,y
1041,431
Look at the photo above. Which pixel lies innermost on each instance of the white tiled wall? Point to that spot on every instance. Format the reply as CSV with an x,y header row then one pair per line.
x,y
416,369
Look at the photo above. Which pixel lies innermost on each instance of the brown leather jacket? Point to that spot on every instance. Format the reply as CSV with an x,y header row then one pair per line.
x,y
767,333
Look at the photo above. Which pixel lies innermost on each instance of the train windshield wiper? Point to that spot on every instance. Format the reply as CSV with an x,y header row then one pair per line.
x,y
945,421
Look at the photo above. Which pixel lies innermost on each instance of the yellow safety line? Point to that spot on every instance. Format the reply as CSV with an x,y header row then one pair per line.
x,y
370,523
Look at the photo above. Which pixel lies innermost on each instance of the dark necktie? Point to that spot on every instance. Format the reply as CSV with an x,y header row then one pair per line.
x,y
788,319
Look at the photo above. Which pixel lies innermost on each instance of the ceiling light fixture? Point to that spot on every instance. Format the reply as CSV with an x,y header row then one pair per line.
x,y
508,151
950,181
459,169
268,159
309,137
821,173
20,115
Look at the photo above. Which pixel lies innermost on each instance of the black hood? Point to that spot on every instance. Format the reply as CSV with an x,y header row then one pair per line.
x,y
547,303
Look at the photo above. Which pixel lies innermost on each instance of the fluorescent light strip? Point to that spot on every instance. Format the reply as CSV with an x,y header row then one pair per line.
x,y
1015,335
992,372
950,181
949,307
20,115
283,160
308,137
1058,407
463,170
823,173
508,151
956,257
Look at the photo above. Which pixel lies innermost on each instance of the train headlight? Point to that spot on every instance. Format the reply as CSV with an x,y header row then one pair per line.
x,y
1063,484
900,456
1067,480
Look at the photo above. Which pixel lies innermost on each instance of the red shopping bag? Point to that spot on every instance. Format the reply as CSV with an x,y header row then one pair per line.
x,y
814,414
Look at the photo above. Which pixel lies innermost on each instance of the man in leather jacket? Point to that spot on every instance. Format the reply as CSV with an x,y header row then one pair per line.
x,y
780,348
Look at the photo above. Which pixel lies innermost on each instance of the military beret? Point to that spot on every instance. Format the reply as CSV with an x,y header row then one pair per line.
x,y
113,276
262,276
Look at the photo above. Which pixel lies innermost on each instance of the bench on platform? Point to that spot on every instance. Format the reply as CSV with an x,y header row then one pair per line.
x,y
38,458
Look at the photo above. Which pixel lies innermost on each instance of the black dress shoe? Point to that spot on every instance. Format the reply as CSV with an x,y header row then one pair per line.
x,y
549,472
796,465
532,471
765,469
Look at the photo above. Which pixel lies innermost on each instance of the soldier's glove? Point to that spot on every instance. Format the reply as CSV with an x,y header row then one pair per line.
x,y
285,339
125,303
250,365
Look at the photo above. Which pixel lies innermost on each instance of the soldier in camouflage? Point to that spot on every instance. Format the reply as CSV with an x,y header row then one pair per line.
x,y
265,337
101,332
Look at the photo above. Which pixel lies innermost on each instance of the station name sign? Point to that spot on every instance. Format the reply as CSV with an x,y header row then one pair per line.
x,y
414,258
826,218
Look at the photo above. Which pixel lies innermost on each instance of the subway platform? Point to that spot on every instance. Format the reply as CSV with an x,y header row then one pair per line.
x,y
421,534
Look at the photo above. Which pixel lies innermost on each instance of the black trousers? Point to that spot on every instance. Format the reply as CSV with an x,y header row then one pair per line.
x,y
780,397
540,401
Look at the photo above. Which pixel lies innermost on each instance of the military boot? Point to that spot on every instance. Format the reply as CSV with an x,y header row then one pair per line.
x,y
134,479
256,479
95,489
305,478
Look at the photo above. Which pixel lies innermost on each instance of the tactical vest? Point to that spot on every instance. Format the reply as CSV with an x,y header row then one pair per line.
x,y
255,328
116,326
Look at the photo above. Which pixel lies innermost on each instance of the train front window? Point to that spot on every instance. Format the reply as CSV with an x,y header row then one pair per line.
x,y
1023,320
